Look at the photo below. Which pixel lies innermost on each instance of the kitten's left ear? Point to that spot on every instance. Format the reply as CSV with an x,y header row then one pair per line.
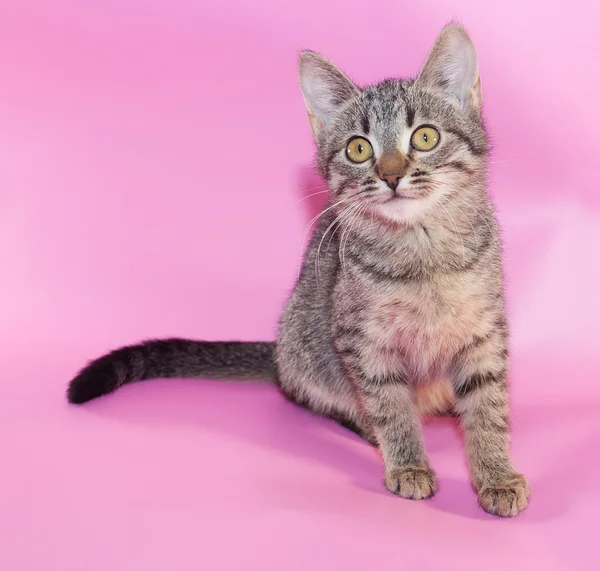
x,y
452,67
325,89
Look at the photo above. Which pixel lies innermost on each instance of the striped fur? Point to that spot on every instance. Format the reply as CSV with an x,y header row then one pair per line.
x,y
399,308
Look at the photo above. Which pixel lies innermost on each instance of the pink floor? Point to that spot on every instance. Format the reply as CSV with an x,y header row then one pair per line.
x,y
152,160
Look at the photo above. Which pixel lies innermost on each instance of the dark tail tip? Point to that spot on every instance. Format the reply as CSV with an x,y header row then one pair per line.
x,y
97,379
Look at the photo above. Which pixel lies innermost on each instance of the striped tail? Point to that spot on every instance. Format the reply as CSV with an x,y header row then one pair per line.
x,y
174,358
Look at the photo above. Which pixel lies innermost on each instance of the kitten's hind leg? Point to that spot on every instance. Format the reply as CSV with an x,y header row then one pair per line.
x,y
348,417
361,427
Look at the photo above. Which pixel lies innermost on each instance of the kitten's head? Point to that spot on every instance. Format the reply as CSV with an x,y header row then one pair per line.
x,y
399,147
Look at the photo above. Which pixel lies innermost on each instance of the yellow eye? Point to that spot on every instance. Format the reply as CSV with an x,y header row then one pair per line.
x,y
425,138
359,150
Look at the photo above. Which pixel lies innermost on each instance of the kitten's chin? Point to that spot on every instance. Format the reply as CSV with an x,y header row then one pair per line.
x,y
402,210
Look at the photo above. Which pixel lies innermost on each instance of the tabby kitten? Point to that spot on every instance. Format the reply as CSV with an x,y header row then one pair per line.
x,y
399,308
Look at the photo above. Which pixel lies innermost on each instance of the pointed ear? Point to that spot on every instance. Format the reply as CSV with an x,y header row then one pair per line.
x,y
452,67
325,89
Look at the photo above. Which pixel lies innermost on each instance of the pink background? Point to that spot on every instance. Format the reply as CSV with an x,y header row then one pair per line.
x,y
152,156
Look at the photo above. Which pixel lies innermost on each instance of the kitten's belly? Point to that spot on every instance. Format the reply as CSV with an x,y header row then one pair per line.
x,y
422,327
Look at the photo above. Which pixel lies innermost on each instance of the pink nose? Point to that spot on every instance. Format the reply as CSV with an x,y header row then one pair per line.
x,y
392,179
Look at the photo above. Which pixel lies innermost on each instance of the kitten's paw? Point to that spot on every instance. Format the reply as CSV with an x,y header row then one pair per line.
x,y
506,499
411,482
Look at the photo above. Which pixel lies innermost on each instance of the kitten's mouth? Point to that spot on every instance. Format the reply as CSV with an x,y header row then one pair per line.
x,y
397,197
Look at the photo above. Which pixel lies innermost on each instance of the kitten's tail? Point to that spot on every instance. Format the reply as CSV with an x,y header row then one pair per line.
x,y
179,358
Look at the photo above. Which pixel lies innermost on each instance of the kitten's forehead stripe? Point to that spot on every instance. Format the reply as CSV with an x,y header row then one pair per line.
x,y
365,122
410,116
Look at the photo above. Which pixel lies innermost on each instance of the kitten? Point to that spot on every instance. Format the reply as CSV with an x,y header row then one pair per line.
x,y
399,308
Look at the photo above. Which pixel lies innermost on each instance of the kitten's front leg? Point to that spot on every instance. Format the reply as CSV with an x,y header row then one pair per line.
x,y
385,398
482,403
397,428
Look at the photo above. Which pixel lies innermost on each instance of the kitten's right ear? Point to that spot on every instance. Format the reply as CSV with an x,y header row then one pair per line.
x,y
325,89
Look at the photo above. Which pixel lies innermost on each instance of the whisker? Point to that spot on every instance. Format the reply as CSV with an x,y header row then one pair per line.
x,y
345,212
456,197
324,211
318,186
462,241
309,195
343,243
338,227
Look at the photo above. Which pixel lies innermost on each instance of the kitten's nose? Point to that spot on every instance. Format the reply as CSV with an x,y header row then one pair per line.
x,y
391,167
392,179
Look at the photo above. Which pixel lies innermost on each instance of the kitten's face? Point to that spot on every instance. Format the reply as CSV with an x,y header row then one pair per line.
x,y
395,150
398,150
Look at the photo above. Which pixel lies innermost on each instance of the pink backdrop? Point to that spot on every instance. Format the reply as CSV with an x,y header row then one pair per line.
x,y
152,156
